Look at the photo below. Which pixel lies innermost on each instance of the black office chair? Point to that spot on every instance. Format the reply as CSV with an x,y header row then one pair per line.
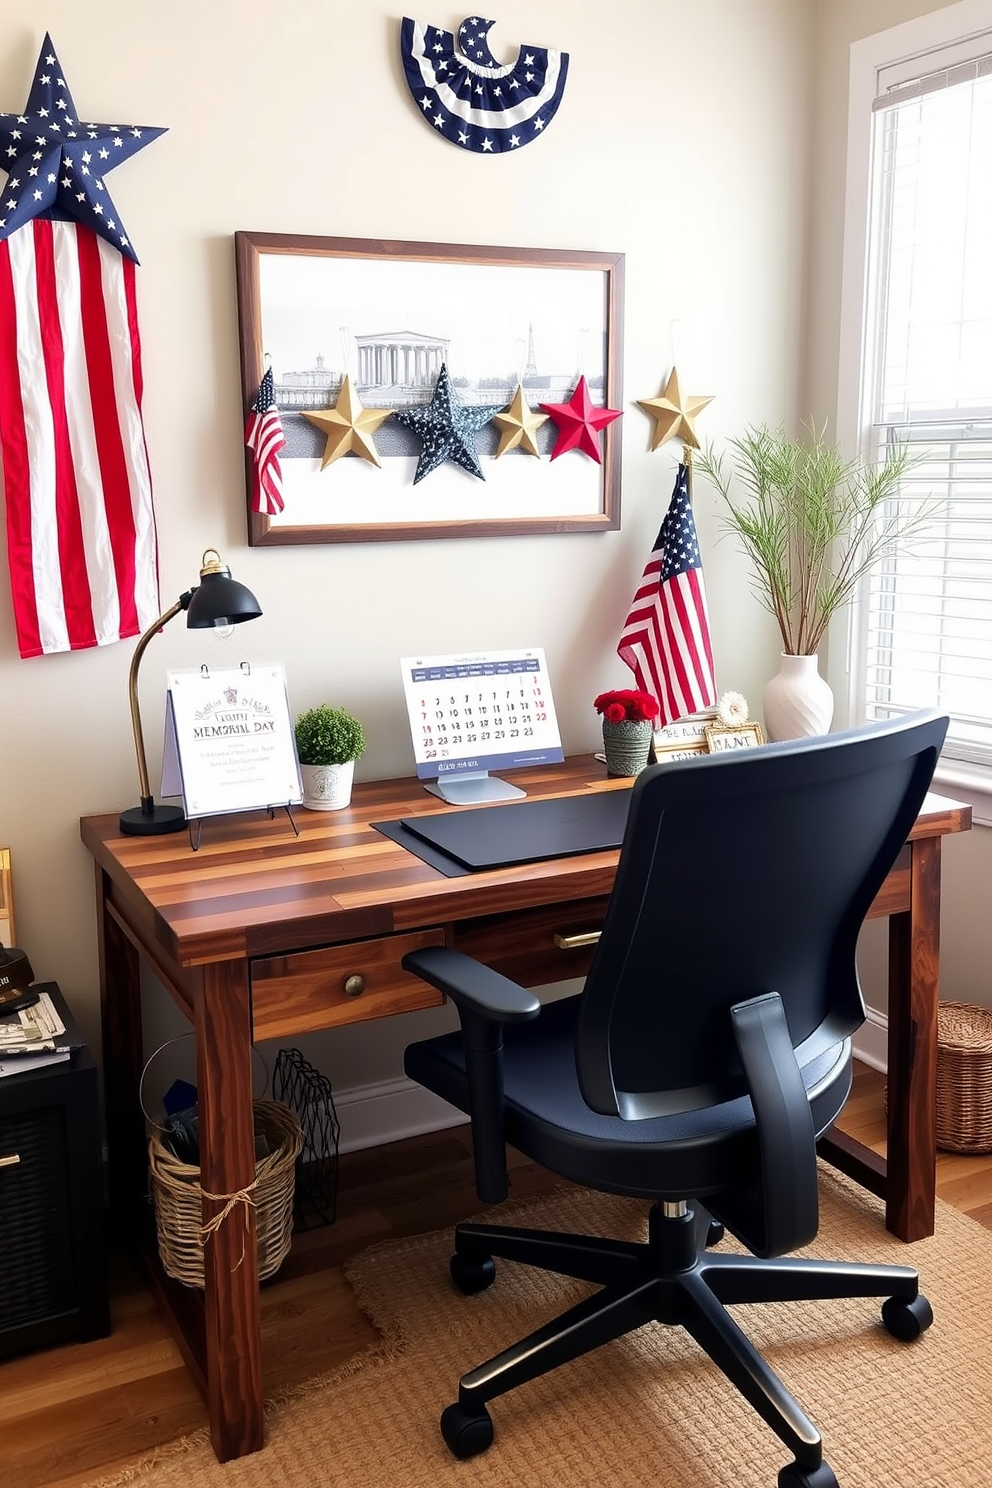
x,y
708,1050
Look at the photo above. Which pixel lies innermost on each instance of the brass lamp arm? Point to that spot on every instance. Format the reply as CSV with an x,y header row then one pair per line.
x,y
182,603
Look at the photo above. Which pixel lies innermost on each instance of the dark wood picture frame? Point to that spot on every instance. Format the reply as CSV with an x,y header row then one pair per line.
x,y
597,506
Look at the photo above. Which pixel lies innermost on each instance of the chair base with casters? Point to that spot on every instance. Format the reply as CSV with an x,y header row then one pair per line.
x,y
668,1279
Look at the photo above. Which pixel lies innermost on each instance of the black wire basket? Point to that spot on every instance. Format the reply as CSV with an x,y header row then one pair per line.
x,y
308,1093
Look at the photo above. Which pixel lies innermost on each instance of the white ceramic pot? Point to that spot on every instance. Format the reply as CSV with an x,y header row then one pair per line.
x,y
797,701
327,787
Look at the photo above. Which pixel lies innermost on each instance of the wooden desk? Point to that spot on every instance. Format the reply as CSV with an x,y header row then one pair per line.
x,y
255,934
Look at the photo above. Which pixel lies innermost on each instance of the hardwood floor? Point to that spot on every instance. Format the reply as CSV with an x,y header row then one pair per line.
x,y
71,1415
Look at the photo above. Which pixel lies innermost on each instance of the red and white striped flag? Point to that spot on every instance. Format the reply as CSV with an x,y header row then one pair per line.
x,y
666,636
81,537
264,437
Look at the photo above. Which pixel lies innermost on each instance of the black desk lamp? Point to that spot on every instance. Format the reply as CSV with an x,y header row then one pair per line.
x,y
217,603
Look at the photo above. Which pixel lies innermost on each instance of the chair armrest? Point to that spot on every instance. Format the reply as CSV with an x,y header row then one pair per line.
x,y
789,1206
485,1001
472,985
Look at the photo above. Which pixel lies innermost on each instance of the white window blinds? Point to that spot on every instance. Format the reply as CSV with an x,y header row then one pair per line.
x,y
927,638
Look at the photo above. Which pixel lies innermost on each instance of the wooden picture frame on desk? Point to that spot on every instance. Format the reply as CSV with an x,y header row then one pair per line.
x,y
7,931
720,738
388,314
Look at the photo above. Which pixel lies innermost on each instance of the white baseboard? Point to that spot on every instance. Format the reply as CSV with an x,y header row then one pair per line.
x,y
871,1042
390,1110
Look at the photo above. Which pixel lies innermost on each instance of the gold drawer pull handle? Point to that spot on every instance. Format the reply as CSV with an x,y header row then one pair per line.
x,y
354,986
573,942
11,1161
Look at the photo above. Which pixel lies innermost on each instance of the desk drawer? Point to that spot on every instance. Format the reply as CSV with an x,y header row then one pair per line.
x,y
339,984
524,946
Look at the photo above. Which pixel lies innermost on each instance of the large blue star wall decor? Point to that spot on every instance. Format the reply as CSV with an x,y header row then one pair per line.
x,y
468,98
446,428
56,163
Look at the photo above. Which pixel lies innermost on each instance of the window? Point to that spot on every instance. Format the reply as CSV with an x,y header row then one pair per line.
x,y
923,633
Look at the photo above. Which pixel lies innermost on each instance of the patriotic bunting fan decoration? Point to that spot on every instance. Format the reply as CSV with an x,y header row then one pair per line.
x,y
81,543
467,97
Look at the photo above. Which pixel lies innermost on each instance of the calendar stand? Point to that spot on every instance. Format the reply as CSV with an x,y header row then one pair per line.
x,y
471,790
469,714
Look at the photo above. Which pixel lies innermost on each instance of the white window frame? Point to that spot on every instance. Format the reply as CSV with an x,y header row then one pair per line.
x,y
903,44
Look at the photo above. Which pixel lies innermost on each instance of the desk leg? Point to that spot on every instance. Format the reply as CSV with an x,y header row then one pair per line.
x,y
227,1167
120,999
914,970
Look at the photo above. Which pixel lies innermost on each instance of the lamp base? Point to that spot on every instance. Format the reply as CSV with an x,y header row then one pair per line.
x,y
140,821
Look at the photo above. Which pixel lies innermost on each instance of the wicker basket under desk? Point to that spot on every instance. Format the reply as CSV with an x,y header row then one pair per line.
x,y
178,1198
964,1077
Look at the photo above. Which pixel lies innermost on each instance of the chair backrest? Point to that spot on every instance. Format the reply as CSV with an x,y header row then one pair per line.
x,y
741,874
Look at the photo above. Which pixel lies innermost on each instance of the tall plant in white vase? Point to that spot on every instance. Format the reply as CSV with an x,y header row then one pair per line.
x,y
813,524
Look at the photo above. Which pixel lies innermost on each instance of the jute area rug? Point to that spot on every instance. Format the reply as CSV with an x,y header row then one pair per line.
x,y
648,1409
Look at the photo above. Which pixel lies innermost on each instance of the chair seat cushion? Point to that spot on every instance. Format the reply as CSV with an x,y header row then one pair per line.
x,y
688,1152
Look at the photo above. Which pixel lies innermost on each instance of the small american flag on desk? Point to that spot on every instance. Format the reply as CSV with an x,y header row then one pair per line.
x,y
264,437
666,636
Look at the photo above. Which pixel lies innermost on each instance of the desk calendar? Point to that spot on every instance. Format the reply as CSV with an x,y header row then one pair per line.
x,y
490,710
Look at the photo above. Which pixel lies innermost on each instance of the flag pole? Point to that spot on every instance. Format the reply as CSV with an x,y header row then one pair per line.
x,y
687,462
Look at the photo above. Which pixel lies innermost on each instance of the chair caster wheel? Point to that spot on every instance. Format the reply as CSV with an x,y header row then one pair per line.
x,y
795,1476
472,1276
906,1318
714,1233
466,1432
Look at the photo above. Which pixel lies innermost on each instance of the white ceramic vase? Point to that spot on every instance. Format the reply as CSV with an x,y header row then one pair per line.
x,y
327,787
797,701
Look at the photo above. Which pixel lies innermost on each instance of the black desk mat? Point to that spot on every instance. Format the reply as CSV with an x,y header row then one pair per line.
x,y
481,838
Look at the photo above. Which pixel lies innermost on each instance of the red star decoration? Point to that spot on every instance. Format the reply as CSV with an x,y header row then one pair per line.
x,y
579,422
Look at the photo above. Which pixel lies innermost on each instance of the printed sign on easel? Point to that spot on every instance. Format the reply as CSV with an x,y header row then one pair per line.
x,y
229,741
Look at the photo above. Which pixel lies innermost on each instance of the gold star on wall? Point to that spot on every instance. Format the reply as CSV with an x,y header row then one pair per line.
x,y
349,426
518,426
674,417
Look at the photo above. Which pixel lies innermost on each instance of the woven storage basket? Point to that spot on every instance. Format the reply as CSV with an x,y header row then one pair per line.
x,y
964,1077
178,1198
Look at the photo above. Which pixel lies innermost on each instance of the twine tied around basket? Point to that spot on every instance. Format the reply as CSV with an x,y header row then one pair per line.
x,y
178,1197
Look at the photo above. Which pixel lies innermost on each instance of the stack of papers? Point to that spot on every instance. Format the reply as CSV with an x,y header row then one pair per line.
x,y
33,1030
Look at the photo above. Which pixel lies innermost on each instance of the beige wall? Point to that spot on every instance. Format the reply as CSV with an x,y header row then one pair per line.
x,y
684,141
689,158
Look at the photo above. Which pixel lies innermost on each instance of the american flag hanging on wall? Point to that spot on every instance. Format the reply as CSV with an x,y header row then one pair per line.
x,y
666,636
81,540
264,437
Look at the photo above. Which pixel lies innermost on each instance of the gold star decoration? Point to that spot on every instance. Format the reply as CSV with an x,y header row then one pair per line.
x,y
349,426
518,426
673,417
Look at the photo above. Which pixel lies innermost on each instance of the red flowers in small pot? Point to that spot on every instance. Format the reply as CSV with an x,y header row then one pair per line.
x,y
627,706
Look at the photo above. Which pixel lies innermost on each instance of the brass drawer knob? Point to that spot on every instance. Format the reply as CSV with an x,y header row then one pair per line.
x,y
354,986
573,942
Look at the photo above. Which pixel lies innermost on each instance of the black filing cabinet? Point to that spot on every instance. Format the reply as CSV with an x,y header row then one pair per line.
x,y
54,1277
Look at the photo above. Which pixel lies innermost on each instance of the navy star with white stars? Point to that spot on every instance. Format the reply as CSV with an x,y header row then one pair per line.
x,y
445,428
56,163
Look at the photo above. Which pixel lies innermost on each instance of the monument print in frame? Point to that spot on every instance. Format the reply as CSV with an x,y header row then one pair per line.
x,y
390,316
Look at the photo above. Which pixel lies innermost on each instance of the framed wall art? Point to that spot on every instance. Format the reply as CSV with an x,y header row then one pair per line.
x,y
354,330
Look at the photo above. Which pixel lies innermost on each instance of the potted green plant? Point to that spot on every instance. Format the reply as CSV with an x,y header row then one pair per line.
x,y
328,742
813,524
